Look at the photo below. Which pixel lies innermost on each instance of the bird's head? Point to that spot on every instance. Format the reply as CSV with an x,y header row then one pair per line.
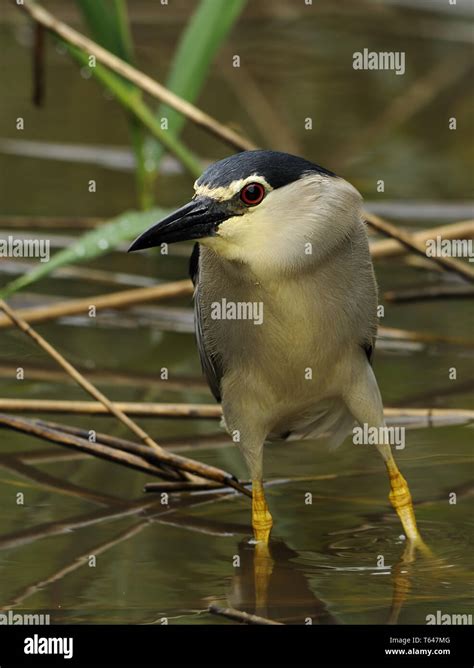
x,y
271,210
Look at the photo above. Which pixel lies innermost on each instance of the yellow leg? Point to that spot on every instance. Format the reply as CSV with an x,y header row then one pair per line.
x,y
261,519
400,499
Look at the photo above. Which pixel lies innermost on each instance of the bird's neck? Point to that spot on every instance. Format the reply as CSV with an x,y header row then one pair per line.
x,y
350,256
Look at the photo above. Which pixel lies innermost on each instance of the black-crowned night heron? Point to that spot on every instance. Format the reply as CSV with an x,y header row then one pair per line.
x,y
285,308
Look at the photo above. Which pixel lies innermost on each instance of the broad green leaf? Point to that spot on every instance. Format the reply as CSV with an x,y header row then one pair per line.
x,y
91,245
204,34
109,26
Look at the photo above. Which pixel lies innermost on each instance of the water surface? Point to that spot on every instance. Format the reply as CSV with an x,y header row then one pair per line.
x,y
170,562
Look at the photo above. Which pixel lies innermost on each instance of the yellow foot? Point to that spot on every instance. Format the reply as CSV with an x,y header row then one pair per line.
x,y
261,519
400,498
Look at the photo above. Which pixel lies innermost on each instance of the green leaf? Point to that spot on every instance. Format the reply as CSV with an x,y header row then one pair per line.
x,y
139,109
109,26
204,34
91,245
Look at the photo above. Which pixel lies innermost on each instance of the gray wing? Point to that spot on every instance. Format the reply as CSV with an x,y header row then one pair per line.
x,y
209,363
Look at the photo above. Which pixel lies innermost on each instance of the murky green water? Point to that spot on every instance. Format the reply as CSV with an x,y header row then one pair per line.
x,y
156,561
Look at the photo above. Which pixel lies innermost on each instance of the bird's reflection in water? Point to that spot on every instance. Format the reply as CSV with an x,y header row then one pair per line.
x,y
402,574
269,583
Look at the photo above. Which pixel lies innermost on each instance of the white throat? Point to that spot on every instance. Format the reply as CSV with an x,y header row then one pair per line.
x,y
295,227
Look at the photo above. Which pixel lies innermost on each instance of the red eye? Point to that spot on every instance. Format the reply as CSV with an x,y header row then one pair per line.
x,y
252,194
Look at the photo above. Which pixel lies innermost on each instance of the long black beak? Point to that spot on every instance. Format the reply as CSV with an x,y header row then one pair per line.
x,y
196,220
